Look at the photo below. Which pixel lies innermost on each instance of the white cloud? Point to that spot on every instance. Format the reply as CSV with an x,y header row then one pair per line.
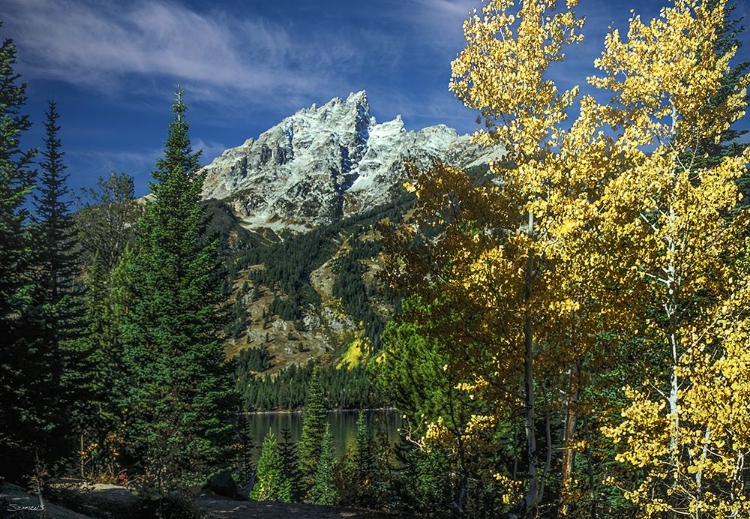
x,y
209,149
236,64
441,20
102,45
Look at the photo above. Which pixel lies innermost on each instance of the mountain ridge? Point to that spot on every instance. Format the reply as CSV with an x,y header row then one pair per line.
x,y
326,163
329,174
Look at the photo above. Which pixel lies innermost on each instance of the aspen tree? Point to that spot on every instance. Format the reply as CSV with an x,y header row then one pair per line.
x,y
503,72
497,258
664,77
583,229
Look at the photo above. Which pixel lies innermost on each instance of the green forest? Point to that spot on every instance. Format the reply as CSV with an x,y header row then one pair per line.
x,y
565,332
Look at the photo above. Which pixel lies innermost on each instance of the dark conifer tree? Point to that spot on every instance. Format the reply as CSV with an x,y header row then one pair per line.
x,y
57,300
179,396
365,458
245,466
290,460
96,414
313,429
55,229
16,183
710,153
22,412
323,491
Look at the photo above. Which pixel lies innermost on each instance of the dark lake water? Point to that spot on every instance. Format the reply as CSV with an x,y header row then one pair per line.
x,y
343,427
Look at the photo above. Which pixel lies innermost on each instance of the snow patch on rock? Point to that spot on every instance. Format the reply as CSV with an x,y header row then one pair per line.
x,y
326,163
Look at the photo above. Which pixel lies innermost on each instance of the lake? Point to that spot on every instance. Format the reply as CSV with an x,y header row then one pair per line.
x,y
343,427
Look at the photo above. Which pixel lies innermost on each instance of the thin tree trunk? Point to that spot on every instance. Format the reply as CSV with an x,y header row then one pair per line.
x,y
81,459
532,493
571,419
590,469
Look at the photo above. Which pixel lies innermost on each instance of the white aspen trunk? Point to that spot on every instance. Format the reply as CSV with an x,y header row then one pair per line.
x,y
671,307
704,455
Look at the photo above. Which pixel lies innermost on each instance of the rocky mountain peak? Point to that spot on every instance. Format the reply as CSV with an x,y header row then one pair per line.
x,y
325,163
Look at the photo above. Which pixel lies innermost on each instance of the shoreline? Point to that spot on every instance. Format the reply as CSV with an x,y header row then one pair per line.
x,y
302,411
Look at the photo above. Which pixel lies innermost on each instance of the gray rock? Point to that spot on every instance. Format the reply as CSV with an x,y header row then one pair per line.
x,y
16,503
326,163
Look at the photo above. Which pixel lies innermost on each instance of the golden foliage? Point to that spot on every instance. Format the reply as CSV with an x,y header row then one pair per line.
x,y
602,225
671,217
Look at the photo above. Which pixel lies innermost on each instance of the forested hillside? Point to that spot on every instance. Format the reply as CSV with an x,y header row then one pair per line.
x,y
312,297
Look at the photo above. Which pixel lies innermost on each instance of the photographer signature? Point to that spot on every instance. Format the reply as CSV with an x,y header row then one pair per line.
x,y
16,508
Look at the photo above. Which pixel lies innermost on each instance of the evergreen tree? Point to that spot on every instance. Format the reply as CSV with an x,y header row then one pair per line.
x,y
365,458
423,485
16,183
55,230
710,152
271,483
97,417
246,468
313,429
323,491
57,298
290,460
355,474
105,227
363,476
179,396
23,367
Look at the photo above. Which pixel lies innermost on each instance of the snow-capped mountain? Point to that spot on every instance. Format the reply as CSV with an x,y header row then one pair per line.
x,y
328,162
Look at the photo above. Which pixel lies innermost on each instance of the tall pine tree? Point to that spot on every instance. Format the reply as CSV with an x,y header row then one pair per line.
x,y
55,230
313,429
58,306
179,398
22,413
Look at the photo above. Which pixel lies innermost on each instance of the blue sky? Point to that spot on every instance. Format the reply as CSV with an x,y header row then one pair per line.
x,y
112,67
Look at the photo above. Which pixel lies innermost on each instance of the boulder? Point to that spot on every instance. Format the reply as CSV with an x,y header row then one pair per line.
x,y
223,484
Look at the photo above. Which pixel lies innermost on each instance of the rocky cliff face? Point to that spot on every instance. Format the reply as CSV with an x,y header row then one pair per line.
x,y
326,163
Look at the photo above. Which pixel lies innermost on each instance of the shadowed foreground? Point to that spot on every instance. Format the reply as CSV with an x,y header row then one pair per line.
x,y
15,503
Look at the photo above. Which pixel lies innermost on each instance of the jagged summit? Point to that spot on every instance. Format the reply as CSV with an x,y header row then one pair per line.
x,y
324,163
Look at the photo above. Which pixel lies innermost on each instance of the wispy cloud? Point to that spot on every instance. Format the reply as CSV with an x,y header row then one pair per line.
x,y
140,163
236,63
102,45
209,149
441,20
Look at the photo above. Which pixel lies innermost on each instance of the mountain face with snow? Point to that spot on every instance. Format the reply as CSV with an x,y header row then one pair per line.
x,y
326,163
